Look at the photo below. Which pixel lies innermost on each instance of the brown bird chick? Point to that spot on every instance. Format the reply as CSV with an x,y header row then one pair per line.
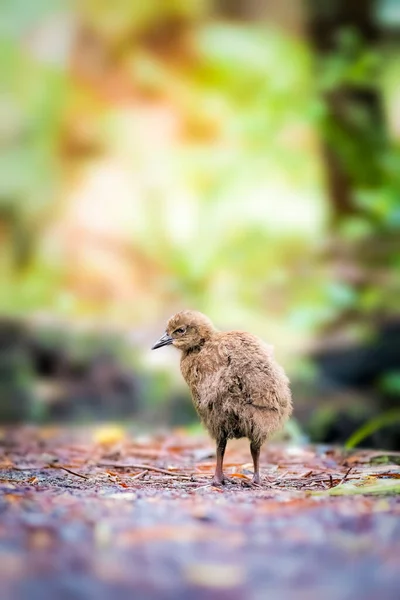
x,y
237,387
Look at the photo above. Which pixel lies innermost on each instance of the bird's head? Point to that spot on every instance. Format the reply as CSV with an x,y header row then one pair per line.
x,y
186,331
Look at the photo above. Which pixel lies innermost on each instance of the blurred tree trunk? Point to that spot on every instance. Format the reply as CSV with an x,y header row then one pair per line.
x,y
364,137
356,151
285,14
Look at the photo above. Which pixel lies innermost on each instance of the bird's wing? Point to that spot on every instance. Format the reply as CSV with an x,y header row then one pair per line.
x,y
253,376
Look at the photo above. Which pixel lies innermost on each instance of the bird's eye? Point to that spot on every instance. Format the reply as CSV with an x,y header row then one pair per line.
x,y
180,330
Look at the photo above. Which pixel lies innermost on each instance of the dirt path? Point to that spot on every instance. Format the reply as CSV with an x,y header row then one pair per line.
x,y
76,524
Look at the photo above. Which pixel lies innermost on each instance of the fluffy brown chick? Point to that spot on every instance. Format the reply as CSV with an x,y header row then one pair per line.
x,y
237,387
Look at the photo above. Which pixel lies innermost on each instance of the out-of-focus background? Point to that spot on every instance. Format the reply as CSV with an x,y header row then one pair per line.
x,y
239,157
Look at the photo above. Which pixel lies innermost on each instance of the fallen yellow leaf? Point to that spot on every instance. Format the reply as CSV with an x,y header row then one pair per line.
x,y
108,435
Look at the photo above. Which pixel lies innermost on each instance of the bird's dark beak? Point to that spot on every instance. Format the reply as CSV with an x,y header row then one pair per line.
x,y
165,340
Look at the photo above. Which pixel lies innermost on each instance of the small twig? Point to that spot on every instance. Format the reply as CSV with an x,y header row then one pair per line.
x,y
139,475
344,477
307,474
146,468
330,481
204,486
52,466
15,468
49,466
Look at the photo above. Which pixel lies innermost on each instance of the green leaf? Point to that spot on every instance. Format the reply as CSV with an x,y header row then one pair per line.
x,y
386,419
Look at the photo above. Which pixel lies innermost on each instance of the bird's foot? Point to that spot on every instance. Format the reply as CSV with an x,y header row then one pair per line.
x,y
218,480
249,483
243,482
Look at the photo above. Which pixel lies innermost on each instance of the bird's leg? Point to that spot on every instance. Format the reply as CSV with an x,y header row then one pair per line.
x,y
218,478
255,453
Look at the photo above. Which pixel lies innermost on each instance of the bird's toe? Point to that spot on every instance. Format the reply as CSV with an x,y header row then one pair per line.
x,y
218,481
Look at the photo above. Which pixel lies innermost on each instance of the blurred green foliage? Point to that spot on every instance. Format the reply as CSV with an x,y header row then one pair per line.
x,y
364,148
247,117
233,215
388,418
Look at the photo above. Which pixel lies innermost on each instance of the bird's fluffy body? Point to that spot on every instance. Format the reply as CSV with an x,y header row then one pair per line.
x,y
238,388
